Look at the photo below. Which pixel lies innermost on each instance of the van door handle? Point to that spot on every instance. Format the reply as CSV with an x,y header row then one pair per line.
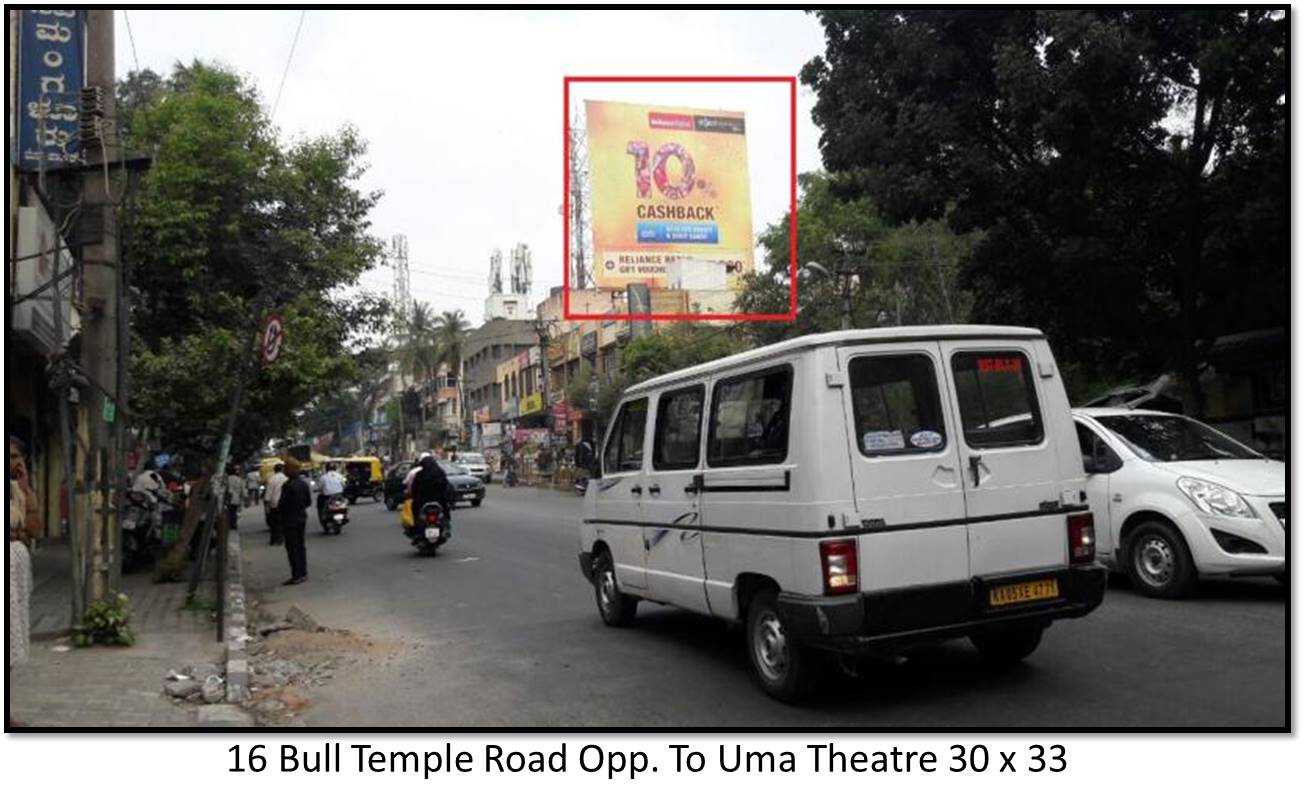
x,y
654,489
974,462
637,489
696,487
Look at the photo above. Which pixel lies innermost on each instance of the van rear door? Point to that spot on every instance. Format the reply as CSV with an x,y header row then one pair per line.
x,y
1009,459
905,467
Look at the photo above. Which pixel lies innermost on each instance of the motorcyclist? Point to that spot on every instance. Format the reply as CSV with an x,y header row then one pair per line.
x,y
431,485
330,485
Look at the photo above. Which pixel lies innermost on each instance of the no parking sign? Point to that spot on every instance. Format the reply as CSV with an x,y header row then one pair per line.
x,y
273,338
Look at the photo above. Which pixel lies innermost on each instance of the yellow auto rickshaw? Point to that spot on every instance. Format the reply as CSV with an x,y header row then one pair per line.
x,y
363,477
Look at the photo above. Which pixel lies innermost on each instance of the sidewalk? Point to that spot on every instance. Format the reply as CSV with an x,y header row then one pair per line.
x,y
66,686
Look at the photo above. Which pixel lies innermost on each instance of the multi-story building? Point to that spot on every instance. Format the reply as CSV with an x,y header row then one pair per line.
x,y
485,348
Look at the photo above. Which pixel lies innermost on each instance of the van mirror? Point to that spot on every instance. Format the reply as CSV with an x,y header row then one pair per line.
x,y
586,457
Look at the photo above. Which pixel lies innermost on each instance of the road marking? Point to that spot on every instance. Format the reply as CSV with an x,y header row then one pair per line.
x,y
467,558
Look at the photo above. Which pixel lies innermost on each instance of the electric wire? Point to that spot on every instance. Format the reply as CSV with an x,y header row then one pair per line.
x,y
285,73
132,37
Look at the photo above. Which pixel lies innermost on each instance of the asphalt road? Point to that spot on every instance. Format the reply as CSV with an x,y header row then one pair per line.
x,y
500,630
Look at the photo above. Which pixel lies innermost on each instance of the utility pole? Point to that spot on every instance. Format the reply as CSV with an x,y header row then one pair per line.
x,y
100,269
846,275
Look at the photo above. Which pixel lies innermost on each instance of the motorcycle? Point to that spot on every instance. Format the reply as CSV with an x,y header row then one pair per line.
x,y
429,530
142,530
334,515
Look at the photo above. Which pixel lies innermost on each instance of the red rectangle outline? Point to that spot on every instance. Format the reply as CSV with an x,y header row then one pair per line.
x,y
788,316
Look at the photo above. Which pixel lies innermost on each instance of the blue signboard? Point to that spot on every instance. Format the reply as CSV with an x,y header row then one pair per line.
x,y
51,73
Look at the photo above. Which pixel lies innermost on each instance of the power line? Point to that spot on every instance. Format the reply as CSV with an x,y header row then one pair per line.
x,y
285,73
131,36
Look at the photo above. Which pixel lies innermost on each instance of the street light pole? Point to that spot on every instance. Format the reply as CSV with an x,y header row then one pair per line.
x,y
845,274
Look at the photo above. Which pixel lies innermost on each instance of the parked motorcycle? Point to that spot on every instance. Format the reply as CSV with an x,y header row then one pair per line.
x,y
142,530
335,515
429,530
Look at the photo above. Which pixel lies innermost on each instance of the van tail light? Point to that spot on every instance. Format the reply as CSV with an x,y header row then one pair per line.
x,y
1082,538
840,568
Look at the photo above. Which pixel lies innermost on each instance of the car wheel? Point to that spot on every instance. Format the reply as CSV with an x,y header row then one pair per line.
x,y
353,501
781,665
1006,645
475,503
378,496
390,504
616,608
1159,563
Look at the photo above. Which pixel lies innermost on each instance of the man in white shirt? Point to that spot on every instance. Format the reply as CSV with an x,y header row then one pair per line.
x,y
330,485
252,482
272,498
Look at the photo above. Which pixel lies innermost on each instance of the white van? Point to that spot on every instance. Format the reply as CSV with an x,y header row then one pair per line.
x,y
851,492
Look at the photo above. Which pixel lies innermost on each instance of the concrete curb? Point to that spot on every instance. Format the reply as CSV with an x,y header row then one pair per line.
x,y
237,624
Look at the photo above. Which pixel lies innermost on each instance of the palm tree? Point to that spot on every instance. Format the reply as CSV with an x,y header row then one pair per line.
x,y
416,346
450,337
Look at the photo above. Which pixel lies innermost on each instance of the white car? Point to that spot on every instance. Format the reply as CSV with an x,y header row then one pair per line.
x,y
1175,499
475,465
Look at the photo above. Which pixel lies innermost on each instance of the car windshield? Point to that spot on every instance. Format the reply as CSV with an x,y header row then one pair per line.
x,y
471,458
1172,438
450,468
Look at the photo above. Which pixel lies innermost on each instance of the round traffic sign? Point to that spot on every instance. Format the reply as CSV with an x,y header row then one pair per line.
x,y
273,338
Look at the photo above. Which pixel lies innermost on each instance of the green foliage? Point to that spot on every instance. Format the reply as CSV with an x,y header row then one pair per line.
x,y
679,346
228,216
106,622
905,275
1128,167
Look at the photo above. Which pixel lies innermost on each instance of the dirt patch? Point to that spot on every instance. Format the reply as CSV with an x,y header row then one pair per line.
x,y
294,642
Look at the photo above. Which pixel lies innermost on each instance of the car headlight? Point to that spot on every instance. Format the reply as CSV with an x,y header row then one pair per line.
x,y
1215,499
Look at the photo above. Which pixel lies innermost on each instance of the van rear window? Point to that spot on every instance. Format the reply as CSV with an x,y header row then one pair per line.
x,y
998,402
749,419
896,405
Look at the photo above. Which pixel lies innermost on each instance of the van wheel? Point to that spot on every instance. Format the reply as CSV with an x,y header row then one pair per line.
x,y
781,665
616,608
1159,564
1006,645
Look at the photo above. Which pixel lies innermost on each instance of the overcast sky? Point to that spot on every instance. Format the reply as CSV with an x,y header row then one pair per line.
x,y
462,110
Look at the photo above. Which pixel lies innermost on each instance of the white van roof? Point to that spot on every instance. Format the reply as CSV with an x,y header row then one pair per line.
x,y
851,336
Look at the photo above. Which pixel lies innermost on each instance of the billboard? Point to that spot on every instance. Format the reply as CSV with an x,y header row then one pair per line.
x,y
51,74
667,184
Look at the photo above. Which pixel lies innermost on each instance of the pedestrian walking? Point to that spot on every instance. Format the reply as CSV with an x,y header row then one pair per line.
x,y
24,523
271,499
233,485
253,481
295,499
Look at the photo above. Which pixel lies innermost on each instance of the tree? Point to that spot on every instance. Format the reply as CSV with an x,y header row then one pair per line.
x,y
905,275
1128,167
229,218
450,330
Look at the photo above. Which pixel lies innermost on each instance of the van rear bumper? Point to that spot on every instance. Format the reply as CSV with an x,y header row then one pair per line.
x,y
871,621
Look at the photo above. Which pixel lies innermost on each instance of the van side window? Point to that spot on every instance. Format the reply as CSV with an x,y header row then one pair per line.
x,y
679,430
624,451
998,402
749,419
896,405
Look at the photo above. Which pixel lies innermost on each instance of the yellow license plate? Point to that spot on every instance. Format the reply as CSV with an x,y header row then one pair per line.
x,y
1010,594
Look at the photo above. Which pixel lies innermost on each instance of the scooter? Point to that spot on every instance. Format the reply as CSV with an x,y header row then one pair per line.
x,y
142,530
430,529
335,515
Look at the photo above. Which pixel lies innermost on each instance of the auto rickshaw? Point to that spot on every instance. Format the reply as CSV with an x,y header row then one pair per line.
x,y
363,477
